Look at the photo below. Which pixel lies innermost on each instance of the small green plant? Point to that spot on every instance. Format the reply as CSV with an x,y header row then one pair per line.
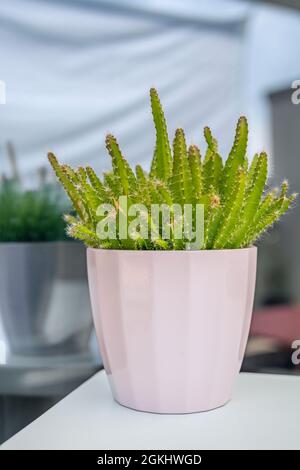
x,y
30,216
237,207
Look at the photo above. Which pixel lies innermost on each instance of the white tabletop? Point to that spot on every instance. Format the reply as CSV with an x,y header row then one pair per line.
x,y
264,414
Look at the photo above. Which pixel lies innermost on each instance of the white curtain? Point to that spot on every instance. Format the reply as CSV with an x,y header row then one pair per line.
x,y
77,69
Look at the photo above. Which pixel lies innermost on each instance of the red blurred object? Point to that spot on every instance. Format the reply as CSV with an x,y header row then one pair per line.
x,y
278,322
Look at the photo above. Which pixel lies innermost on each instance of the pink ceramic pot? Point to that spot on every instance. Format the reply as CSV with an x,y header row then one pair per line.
x,y
172,325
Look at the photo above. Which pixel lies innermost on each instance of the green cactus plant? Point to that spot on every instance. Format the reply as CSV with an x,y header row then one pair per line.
x,y
237,207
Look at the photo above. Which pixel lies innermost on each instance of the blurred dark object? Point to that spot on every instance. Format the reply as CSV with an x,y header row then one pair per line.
x,y
283,3
273,276
286,156
277,325
267,356
273,331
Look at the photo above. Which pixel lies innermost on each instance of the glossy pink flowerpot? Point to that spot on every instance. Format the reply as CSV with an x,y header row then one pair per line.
x,y
172,325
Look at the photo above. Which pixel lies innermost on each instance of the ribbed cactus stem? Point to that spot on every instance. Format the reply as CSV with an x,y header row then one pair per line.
x,y
236,156
118,162
181,179
196,171
162,161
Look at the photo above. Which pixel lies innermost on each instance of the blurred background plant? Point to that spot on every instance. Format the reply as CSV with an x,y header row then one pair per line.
x,y
30,215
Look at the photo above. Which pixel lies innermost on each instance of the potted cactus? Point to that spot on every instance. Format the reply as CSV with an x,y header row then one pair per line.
x,y
172,265
44,302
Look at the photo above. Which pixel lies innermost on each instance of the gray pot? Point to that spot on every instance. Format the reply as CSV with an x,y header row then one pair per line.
x,y
44,298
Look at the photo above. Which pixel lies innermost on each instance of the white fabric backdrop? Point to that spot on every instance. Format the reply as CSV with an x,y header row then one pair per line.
x,y
76,69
